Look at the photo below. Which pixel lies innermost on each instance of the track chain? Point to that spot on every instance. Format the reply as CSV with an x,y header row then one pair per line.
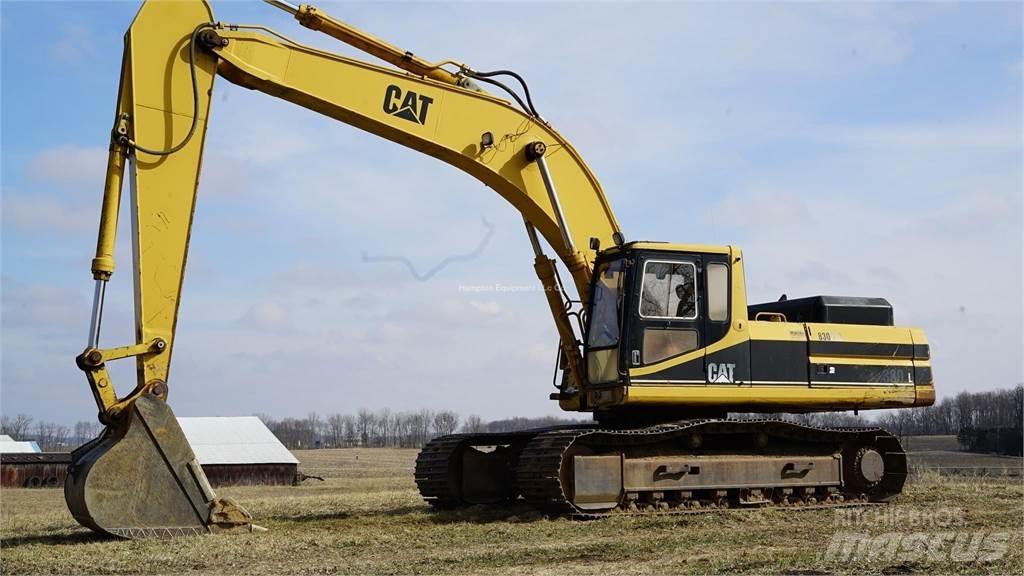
x,y
433,463
540,462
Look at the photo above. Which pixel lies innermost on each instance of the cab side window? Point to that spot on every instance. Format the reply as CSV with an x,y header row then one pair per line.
x,y
669,290
718,292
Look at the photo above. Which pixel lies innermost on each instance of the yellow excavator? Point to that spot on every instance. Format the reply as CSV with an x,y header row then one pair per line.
x,y
659,343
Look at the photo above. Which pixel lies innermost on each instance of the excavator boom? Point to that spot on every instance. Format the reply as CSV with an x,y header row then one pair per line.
x,y
173,51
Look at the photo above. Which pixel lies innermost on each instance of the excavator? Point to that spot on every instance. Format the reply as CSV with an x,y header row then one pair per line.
x,y
656,340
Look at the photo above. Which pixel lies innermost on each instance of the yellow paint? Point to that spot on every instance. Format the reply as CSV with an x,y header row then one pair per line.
x,y
687,248
858,333
862,361
778,331
773,398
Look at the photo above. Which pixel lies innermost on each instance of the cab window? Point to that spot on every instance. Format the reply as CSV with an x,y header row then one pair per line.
x,y
604,316
669,290
718,292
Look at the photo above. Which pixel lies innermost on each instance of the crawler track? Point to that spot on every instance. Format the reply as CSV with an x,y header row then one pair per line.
x,y
537,465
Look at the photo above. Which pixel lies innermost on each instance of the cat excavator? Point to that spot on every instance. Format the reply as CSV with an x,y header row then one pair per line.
x,y
656,340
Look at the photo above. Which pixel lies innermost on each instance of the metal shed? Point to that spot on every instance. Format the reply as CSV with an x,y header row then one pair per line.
x,y
239,450
9,445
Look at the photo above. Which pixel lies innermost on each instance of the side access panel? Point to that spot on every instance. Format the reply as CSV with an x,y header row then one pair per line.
x,y
875,359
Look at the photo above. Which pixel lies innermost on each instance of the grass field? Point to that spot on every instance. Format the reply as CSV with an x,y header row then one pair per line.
x,y
942,454
367,517
945,442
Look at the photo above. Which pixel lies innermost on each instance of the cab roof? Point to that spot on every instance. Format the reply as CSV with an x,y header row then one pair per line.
x,y
671,247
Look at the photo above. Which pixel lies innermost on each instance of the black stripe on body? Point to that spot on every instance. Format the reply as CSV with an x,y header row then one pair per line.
x,y
778,360
869,349
854,373
923,375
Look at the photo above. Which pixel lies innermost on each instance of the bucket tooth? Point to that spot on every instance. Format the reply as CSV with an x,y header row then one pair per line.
x,y
140,478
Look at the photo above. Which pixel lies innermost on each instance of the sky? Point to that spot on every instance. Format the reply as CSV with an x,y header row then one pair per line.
x,y
863,149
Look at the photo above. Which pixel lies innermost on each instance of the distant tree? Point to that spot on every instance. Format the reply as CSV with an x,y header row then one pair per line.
x,y
16,427
84,431
473,424
314,429
335,435
348,423
419,427
445,422
384,428
520,423
365,422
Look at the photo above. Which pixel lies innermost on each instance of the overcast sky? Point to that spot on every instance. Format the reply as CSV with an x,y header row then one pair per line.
x,y
869,149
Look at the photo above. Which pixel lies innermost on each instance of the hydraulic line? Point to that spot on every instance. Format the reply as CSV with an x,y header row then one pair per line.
x,y
195,102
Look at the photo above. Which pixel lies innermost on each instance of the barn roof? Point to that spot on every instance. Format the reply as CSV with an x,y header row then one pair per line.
x,y
9,445
234,440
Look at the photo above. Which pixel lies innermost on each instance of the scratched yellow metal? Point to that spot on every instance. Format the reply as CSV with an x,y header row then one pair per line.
x,y
160,102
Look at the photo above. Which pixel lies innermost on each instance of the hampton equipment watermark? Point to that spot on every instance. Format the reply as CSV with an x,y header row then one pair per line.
x,y
499,288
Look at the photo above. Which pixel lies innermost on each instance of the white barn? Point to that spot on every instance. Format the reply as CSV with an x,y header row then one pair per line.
x,y
9,445
239,450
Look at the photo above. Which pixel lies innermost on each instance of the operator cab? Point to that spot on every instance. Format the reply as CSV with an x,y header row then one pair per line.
x,y
652,303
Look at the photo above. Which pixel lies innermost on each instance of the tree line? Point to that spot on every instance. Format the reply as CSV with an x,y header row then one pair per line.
x,y
981,421
968,415
366,428
996,409
388,429
49,436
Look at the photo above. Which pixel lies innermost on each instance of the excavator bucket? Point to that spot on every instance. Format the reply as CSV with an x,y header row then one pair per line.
x,y
141,479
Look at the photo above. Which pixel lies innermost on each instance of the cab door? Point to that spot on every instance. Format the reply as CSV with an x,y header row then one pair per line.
x,y
666,323
727,360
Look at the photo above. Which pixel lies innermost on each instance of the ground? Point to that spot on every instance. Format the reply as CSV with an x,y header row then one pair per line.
x,y
367,518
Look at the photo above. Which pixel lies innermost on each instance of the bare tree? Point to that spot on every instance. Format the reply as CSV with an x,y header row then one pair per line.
x,y
16,427
473,424
314,427
85,431
365,421
419,424
445,422
336,430
348,423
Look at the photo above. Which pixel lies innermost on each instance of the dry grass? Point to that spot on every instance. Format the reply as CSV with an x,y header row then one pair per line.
x,y
946,442
367,518
942,454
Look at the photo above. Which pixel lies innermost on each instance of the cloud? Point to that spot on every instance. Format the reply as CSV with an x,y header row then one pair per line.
x,y
487,308
72,166
265,316
48,307
43,215
952,136
75,44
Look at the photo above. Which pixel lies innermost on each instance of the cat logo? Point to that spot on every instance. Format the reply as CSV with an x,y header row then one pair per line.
x,y
721,373
412,107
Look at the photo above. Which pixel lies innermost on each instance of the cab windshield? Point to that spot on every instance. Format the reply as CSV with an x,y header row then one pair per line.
x,y
604,313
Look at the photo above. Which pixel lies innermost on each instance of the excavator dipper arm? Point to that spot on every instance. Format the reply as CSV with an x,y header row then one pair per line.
x,y
140,477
